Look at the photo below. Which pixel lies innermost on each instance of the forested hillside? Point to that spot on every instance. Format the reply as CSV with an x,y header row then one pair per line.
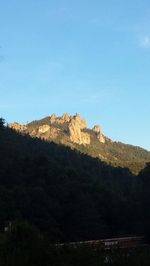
x,y
68,195
72,131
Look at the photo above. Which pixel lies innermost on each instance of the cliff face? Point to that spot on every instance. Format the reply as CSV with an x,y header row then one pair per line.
x,y
18,127
72,127
75,127
72,131
98,132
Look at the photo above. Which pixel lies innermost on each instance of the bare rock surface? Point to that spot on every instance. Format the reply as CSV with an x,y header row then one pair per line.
x,y
65,118
53,118
48,132
97,130
72,127
18,127
76,125
44,128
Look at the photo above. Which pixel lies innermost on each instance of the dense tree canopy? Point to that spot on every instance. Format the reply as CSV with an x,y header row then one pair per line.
x,y
2,122
68,195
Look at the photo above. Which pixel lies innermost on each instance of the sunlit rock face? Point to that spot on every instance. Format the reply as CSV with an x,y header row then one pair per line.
x,y
53,118
98,133
65,117
54,133
75,127
59,120
44,128
85,138
67,128
96,129
101,138
72,131
18,127
46,132
81,122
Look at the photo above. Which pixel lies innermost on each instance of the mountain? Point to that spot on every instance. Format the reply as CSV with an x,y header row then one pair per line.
x,y
65,194
68,195
72,131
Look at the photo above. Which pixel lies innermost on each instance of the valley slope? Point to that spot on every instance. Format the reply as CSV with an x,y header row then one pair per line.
x,y
72,131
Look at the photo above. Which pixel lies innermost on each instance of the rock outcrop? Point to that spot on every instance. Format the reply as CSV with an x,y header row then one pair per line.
x,y
59,120
65,118
54,133
67,128
75,127
97,130
53,118
43,129
47,132
18,127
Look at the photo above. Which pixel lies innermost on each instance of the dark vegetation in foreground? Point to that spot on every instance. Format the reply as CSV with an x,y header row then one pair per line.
x,y
25,246
69,196
66,196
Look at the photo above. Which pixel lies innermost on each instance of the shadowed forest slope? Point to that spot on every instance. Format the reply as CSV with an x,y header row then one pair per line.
x,y
67,195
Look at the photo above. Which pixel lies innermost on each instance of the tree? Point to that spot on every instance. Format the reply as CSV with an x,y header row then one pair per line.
x,y
2,123
22,245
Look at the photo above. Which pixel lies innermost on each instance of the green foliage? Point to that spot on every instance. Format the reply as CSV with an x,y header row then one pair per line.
x,y
22,245
113,153
144,198
68,195
34,250
96,257
117,154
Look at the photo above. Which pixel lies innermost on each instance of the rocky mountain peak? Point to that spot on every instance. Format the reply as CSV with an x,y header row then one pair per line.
x,y
76,125
53,118
78,121
65,117
18,127
98,132
96,129
72,127
72,131
61,120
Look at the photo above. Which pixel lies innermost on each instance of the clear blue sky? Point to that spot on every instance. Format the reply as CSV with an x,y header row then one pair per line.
x,y
90,57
